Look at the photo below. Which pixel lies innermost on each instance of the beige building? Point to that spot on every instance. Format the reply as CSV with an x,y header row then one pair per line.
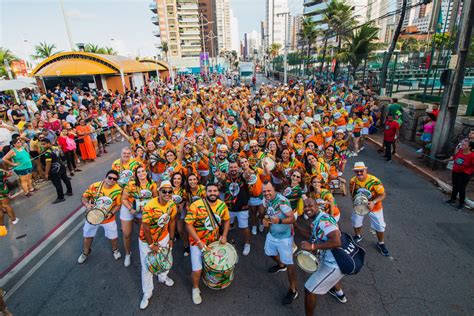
x,y
178,26
223,25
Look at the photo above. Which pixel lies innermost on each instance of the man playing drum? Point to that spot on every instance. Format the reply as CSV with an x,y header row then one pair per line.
x,y
103,194
364,182
203,220
325,235
279,241
158,224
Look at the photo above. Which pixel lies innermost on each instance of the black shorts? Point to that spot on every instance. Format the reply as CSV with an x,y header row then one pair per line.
x,y
101,139
356,134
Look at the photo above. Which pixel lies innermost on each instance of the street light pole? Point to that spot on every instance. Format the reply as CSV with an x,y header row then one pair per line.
x,y
68,29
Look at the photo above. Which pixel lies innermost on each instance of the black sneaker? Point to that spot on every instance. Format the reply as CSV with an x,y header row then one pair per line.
x,y
358,238
460,206
383,250
69,194
341,298
58,201
290,297
450,202
186,251
276,268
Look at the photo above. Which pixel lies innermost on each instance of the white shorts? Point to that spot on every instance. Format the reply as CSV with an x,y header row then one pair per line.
x,y
324,279
254,201
279,247
125,214
364,131
110,230
196,258
242,218
337,218
203,173
376,221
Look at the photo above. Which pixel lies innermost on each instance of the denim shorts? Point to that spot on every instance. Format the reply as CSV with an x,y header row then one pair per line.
x,y
23,172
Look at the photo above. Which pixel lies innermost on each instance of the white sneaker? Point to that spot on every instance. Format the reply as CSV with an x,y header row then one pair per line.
x,y
166,281
82,258
117,254
254,230
261,228
15,221
246,250
127,260
144,302
197,296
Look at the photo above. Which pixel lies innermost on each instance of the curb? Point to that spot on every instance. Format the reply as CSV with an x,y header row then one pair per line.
x,y
445,187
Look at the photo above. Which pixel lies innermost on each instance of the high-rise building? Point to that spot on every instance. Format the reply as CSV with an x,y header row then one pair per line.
x,y
178,26
252,44
223,24
208,10
234,26
277,25
296,27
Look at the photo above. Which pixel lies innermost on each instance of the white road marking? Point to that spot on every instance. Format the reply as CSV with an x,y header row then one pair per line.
x,y
42,246
42,261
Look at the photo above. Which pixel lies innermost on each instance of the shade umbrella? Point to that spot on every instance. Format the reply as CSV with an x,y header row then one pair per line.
x,y
17,84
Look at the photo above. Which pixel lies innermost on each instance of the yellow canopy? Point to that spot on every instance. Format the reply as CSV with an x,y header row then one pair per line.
x,y
82,63
151,63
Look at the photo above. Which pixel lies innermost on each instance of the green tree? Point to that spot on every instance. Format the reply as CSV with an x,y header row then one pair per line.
x,y
275,49
165,49
8,56
308,33
44,50
340,19
92,48
358,46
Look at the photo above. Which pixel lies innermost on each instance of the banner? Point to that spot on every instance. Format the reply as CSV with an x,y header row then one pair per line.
x,y
19,68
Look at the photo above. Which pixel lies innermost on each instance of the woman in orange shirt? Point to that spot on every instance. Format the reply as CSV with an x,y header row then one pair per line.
x,y
85,142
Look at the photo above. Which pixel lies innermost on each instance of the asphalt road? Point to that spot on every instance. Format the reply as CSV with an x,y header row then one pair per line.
x,y
430,271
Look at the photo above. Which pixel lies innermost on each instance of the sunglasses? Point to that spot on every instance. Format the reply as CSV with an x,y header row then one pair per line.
x,y
359,172
167,191
112,178
296,176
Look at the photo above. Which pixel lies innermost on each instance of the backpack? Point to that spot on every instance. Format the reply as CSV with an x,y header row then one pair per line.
x,y
350,256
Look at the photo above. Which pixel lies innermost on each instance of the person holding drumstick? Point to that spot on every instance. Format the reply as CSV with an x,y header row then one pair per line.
x,y
203,220
279,241
325,235
366,181
105,188
158,224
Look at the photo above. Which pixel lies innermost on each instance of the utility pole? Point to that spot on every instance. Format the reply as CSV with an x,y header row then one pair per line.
x,y
285,48
168,41
68,29
203,43
450,101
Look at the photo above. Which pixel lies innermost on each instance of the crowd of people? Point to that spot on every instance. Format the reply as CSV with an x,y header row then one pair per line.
x,y
203,158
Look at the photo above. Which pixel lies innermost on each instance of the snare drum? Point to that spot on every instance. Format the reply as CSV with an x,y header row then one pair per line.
x,y
218,265
160,261
307,261
361,204
96,216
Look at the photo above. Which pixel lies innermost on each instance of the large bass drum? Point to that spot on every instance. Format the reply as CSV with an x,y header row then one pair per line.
x,y
218,265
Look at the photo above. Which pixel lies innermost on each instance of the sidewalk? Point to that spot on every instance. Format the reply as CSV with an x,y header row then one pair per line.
x,y
407,155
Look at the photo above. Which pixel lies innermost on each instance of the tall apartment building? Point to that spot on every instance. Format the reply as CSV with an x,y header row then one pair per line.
x,y
208,10
252,44
277,26
296,27
178,25
234,30
223,23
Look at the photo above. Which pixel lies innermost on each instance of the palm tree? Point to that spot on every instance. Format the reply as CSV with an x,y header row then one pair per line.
x,y
275,49
388,55
109,51
8,56
92,48
359,45
165,49
340,19
44,50
308,34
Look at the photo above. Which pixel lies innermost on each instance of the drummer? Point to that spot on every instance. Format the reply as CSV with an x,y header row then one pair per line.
x,y
325,235
110,189
158,223
279,241
203,220
366,181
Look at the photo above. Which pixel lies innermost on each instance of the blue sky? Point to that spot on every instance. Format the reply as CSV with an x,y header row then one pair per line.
x,y
24,23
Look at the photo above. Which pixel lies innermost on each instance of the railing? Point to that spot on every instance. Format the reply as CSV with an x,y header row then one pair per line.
x,y
153,7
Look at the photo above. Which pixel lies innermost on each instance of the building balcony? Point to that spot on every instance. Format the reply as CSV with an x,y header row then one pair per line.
x,y
156,33
189,32
315,9
153,7
311,2
155,20
187,6
188,20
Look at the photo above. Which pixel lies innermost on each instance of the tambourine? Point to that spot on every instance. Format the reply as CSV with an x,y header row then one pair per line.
x,y
267,116
252,121
269,162
177,198
252,179
279,109
308,120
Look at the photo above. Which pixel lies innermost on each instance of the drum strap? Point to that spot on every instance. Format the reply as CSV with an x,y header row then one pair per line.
x,y
98,192
213,218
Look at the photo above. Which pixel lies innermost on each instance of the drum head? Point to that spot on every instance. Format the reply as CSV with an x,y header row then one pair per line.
x,y
251,121
269,162
266,116
160,261
307,261
95,216
177,198
252,179
220,257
